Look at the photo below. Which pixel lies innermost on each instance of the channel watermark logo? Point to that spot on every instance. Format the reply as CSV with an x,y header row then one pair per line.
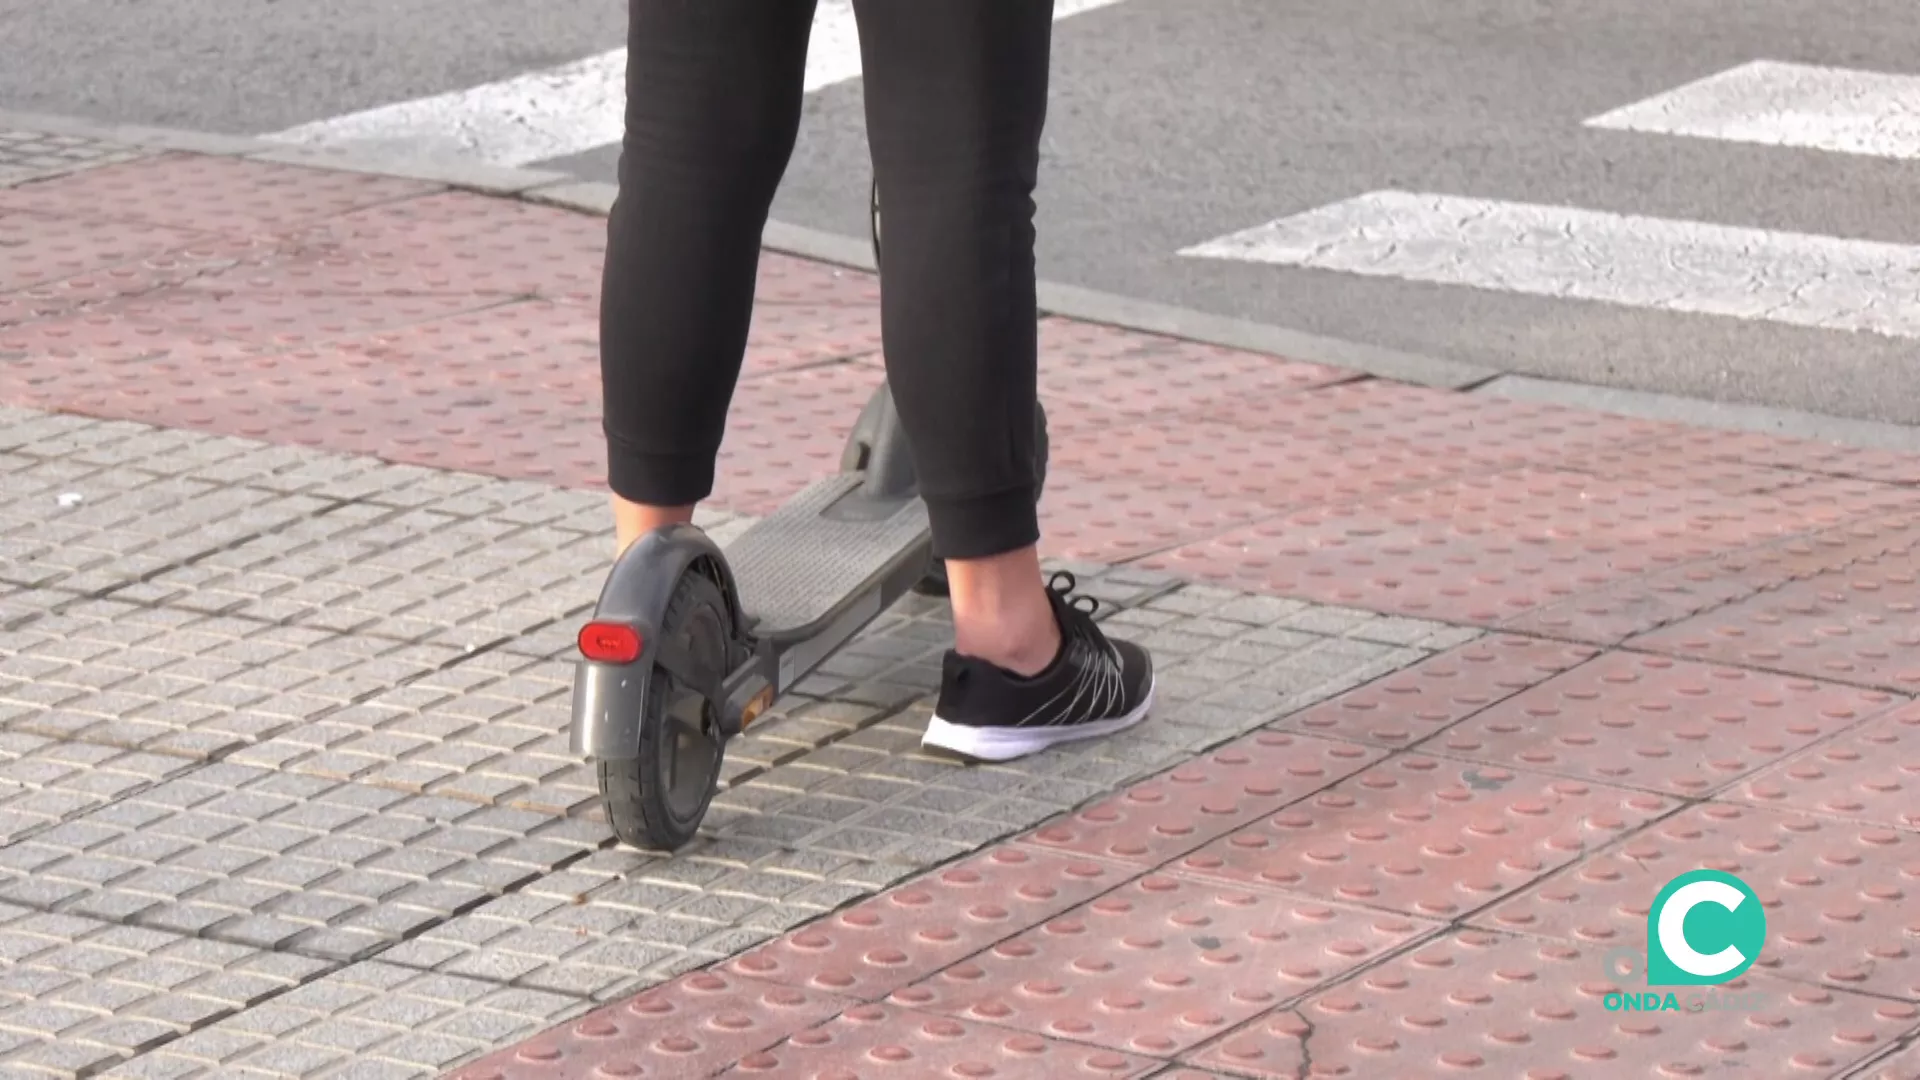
x,y
1705,929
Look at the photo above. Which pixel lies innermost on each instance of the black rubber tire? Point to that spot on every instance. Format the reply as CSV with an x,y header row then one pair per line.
x,y
635,791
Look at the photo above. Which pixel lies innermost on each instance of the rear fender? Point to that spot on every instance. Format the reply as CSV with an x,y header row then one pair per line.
x,y
608,699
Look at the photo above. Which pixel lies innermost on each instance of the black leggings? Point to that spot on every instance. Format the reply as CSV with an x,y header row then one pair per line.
x,y
956,95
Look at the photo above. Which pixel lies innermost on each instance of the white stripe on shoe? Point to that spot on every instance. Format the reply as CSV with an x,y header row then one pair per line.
x,y
1010,742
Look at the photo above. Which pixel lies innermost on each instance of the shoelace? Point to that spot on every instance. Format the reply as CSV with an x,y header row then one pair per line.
x,y
1061,585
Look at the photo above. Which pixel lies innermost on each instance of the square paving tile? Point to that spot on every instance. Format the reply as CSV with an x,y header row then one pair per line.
x,y
211,194
1139,374
1160,964
1838,894
272,860
179,682
622,920
1165,817
1614,613
42,250
1487,548
696,1026
1870,774
1483,432
883,1041
466,241
78,994
368,1020
1901,1065
1425,836
1857,624
1658,723
1478,1003
1409,706
911,931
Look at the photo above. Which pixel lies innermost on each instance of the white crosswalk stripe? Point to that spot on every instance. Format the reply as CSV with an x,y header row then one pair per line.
x,y
1776,104
561,111
1557,251
1800,279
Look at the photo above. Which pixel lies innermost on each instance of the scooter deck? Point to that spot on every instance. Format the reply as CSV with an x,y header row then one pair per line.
x,y
820,550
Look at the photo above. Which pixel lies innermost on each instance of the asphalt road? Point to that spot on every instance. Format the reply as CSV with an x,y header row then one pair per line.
x,y
1175,122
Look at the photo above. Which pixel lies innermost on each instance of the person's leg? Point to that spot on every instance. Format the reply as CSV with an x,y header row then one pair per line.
x,y
714,90
956,97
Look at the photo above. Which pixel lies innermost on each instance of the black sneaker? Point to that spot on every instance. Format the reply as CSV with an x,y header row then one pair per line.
x,y
1096,686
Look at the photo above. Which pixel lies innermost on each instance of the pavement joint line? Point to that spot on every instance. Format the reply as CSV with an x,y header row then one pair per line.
x,y
1761,669
1864,1071
335,965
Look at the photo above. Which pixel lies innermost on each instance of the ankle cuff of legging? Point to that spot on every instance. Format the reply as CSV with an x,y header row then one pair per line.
x,y
979,526
658,479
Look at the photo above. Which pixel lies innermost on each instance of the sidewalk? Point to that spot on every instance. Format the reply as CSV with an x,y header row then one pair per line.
x,y
299,510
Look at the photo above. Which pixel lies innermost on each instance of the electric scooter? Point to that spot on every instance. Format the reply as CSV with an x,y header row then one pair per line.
x,y
690,643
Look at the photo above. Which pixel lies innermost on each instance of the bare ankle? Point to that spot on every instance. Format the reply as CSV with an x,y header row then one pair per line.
x,y
632,520
1001,612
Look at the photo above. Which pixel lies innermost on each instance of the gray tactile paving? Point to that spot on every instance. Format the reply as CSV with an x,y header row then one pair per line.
x,y
622,920
825,824
46,781
493,730
273,860
177,681
370,1020
38,155
282,700
79,993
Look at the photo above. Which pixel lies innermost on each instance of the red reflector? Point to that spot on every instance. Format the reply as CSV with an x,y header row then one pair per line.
x,y
610,643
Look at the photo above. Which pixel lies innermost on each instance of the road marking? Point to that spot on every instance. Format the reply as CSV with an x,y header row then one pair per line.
x,y
1795,105
1564,253
560,111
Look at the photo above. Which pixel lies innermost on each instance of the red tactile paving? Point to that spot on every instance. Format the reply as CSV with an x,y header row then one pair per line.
x,y
38,249
1478,1004
1659,723
1101,518
877,1041
1614,613
1860,624
1410,705
1489,548
1839,895
98,286
1217,463
786,279
290,305
1426,836
882,944
786,430
1134,373
1162,818
473,243
1797,455
1871,774
1160,964
1903,1065
1483,432
692,1027
208,194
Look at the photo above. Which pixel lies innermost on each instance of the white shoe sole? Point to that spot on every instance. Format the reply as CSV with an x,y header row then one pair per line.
x,y
1008,743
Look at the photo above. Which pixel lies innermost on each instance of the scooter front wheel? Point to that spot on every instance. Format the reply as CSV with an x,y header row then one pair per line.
x,y
657,800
